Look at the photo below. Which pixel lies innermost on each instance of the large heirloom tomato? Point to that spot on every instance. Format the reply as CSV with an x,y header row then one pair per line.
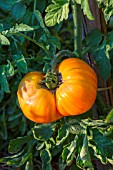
x,y
70,91
37,103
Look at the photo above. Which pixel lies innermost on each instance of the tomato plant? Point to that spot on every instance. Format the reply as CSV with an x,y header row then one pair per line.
x,y
56,67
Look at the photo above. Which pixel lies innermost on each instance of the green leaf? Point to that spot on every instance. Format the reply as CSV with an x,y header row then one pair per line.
x,y
84,157
44,131
93,38
21,28
9,69
18,28
60,2
111,23
29,18
16,145
18,10
3,79
63,133
7,4
109,40
8,158
93,123
102,146
20,158
78,1
34,19
50,144
55,150
110,161
39,18
46,159
75,129
107,8
41,5
102,59
21,63
19,161
40,146
109,117
57,12
86,9
54,40
4,40
29,163
69,151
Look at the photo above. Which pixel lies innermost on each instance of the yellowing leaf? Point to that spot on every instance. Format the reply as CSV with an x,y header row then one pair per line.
x,y
4,40
56,14
109,117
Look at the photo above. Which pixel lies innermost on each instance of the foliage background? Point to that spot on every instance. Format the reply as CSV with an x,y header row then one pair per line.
x,y
31,33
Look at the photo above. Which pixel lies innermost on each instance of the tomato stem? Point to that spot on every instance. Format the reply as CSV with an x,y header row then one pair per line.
x,y
77,20
59,55
51,80
34,5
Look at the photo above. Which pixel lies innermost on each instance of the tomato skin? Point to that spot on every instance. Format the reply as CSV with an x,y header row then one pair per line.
x,y
37,104
76,94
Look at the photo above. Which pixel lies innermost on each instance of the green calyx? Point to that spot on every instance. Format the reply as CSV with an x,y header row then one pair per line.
x,y
51,80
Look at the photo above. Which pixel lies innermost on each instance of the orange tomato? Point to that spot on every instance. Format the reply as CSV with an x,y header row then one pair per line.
x,y
77,93
37,104
74,95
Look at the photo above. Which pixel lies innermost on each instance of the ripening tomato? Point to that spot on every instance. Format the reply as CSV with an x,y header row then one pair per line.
x,y
37,103
77,93
70,91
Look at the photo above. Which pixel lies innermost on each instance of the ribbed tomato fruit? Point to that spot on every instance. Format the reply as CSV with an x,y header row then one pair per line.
x,y
70,91
77,93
